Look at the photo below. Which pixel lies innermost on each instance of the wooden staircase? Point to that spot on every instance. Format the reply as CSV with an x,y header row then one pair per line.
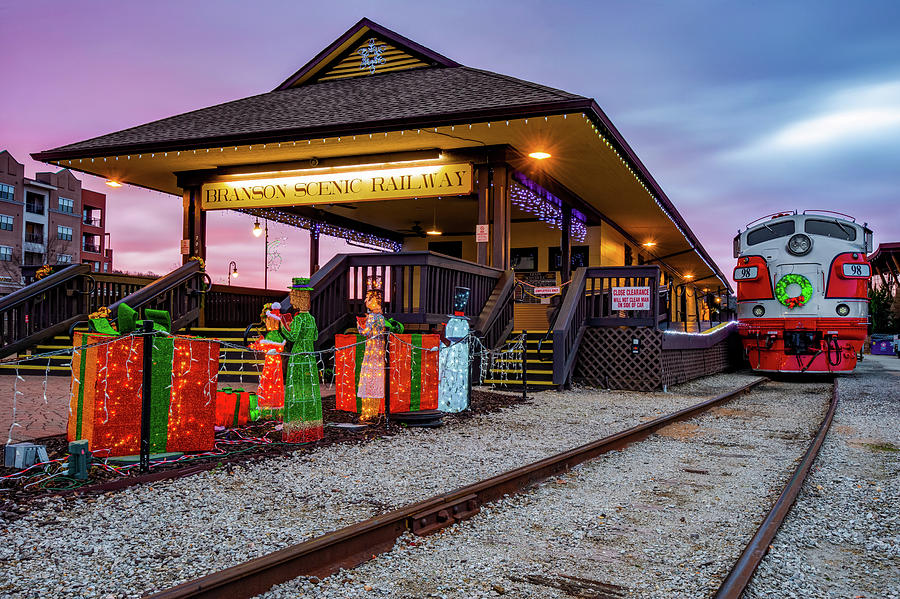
x,y
538,356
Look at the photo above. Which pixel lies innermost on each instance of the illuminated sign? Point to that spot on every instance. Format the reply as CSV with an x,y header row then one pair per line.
x,y
333,186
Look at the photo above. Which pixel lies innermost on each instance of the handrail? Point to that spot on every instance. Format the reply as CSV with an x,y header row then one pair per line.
x,y
569,319
42,285
498,304
42,309
161,285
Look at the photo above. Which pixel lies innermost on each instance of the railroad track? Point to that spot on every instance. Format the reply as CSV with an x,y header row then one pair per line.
x,y
358,543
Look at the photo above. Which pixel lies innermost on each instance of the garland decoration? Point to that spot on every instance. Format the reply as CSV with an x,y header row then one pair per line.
x,y
200,260
806,290
43,272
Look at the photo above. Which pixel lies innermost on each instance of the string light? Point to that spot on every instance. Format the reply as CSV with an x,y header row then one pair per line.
x,y
325,228
534,199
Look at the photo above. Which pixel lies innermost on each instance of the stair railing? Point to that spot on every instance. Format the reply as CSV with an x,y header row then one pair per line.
x,y
568,327
495,322
44,308
179,293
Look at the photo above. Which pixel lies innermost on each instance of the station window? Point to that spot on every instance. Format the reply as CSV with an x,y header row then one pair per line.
x,y
579,257
64,259
7,222
67,205
524,259
6,253
63,233
7,192
448,248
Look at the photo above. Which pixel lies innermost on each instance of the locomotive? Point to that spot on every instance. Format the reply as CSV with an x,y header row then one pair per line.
x,y
802,283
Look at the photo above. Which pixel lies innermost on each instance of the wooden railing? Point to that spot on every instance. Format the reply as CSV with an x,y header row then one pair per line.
x,y
232,306
43,309
496,319
111,288
179,293
588,302
418,288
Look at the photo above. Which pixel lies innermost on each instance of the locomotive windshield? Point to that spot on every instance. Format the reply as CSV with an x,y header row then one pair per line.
x,y
830,228
769,231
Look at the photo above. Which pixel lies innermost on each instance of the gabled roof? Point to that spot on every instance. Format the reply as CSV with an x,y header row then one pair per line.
x,y
366,48
342,106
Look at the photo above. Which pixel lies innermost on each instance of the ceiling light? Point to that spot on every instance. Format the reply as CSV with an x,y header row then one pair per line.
x,y
112,183
650,244
539,155
688,277
433,231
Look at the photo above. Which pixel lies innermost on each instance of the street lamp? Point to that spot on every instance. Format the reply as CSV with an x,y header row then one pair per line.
x,y
257,231
232,271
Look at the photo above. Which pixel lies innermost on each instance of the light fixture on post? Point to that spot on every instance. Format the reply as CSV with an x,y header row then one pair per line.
x,y
232,271
257,231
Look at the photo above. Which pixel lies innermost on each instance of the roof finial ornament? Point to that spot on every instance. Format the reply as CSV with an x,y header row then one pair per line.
x,y
372,56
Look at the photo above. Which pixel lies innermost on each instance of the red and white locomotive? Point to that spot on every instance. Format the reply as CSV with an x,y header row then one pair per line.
x,y
802,283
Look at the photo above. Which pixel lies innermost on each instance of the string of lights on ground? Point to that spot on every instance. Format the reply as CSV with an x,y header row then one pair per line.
x,y
262,436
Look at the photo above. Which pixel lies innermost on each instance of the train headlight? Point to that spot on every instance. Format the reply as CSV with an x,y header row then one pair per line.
x,y
799,244
758,311
842,310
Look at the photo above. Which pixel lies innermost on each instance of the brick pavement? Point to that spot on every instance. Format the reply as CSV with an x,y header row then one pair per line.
x,y
35,417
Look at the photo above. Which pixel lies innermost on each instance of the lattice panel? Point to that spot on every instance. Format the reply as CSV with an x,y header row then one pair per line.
x,y
682,365
605,358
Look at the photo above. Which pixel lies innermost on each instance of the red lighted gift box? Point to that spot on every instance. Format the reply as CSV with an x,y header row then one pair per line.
x,y
232,407
107,377
414,372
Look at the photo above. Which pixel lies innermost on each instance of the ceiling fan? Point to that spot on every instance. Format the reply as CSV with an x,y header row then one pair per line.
x,y
347,206
416,229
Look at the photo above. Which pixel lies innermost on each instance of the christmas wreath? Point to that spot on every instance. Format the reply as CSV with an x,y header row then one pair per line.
x,y
784,282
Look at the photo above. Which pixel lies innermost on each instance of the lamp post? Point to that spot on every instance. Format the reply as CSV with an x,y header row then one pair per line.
x,y
257,231
232,271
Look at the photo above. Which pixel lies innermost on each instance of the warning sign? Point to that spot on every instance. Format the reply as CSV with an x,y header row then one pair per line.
x,y
630,298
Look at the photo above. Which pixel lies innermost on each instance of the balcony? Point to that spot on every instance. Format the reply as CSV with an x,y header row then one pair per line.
x,y
90,247
34,238
34,207
91,222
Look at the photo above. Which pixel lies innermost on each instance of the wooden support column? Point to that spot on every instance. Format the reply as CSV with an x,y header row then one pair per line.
x,y
313,251
194,226
500,220
565,245
483,188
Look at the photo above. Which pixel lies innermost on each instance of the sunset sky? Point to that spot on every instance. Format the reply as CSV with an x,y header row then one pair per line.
x,y
738,109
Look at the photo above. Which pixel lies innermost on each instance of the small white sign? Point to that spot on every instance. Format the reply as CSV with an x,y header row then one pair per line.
x,y
630,298
857,270
482,233
546,290
745,272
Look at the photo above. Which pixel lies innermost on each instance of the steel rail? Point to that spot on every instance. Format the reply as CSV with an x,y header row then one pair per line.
x,y
357,543
742,571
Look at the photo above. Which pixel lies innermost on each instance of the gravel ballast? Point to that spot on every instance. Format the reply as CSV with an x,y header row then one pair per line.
x,y
842,537
664,518
150,537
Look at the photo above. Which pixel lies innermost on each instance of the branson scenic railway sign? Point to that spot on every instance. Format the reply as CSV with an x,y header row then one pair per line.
x,y
333,186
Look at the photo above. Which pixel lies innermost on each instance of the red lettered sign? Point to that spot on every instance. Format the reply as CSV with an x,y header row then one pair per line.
x,y
630,298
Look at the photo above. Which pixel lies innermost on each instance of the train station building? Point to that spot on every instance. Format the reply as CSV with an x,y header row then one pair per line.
x,y
392,146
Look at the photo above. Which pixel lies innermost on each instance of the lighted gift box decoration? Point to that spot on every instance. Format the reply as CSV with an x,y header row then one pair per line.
x,y
413,375
107,377
236,407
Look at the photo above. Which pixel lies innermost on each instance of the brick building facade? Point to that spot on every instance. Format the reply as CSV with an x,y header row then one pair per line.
x,y
47,220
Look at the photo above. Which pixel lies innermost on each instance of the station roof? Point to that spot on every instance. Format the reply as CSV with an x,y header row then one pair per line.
x,y
374,91
885,261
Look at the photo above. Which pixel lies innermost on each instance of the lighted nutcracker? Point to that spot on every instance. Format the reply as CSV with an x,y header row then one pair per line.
x,y
302,399
453,388
270,394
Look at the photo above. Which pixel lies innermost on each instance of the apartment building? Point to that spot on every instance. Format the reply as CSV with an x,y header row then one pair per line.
x,y
49,219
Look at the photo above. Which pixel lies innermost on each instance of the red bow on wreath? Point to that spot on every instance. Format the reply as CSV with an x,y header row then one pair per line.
x,y
793,302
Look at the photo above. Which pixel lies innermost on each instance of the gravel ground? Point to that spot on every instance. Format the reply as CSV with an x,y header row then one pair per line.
x,y
842,538
148,538
664,518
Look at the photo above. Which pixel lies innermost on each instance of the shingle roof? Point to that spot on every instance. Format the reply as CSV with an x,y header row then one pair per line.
x,y
412,95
